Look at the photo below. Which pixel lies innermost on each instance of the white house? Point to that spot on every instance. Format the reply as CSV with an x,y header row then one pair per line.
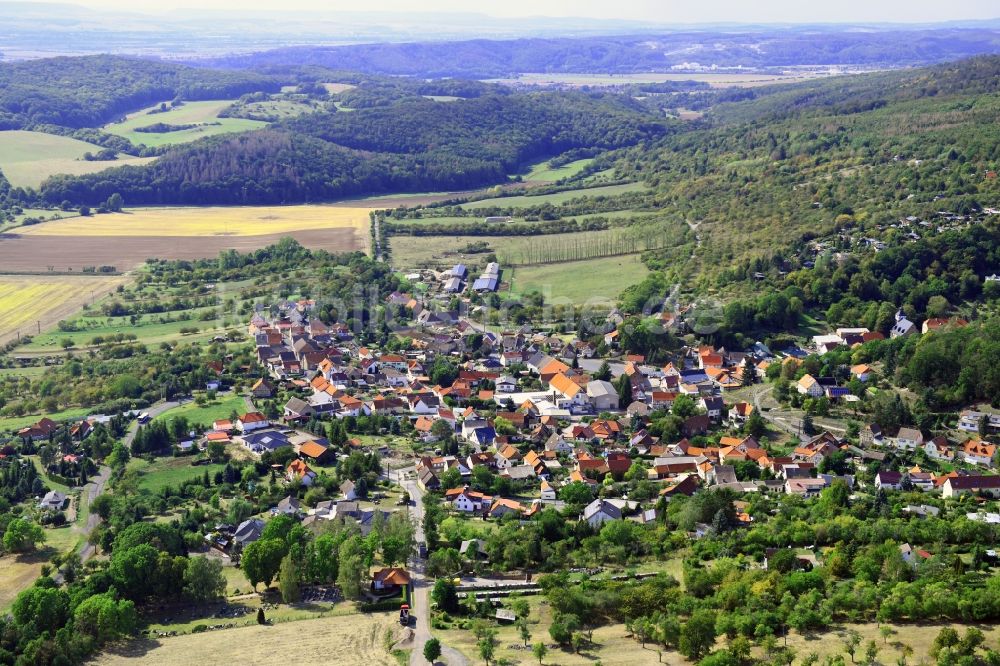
x,y
252,421
809,386
909,439
600,511
505,384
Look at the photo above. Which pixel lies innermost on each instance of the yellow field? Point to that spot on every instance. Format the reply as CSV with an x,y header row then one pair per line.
x,y
27,300
347,641
211,221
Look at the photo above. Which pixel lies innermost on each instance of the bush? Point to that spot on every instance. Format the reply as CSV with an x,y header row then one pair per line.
x,y
198,628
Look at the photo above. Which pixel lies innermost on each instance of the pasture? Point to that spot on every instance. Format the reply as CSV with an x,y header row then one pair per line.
x,y
348,640
525,200
210,221
28,158
29,304
578,281
204,115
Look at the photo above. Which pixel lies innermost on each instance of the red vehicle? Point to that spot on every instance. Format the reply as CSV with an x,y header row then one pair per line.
x,y
404,614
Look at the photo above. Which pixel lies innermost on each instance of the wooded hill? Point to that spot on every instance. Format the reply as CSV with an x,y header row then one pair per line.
x,y
799,161
413,145
92,90
760,46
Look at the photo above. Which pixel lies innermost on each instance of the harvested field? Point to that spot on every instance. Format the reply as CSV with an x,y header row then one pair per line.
x,y
230,221
347,640
32,253
28,303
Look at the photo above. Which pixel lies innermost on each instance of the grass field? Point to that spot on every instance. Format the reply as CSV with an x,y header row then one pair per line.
x,y
544,173
210,221
579,281
147,330
28,158
220,409
348,640
203,114
26,302
164,472
556,198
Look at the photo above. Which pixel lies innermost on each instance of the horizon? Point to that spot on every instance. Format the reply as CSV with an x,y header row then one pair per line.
x,y
658,14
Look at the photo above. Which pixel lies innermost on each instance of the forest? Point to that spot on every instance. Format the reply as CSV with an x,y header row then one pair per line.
x,y
106,87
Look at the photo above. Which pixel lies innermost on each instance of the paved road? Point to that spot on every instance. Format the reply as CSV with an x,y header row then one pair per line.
x,y
421,583
98,484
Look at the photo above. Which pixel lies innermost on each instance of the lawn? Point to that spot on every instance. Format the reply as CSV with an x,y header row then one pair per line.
x,y
579,281
352,640
544,173
210,221
220,409
556,198
163,472
28,158
203,114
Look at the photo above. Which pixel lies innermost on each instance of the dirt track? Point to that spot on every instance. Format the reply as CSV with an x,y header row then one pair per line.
x,y
35,254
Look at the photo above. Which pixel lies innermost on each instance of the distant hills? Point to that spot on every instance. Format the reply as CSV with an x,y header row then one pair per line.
x,y
756,48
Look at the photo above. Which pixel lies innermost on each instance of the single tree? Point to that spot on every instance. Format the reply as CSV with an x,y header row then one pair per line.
x,y
432,650
539,650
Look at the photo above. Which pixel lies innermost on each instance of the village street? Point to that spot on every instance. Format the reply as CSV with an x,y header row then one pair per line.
x,y
421,584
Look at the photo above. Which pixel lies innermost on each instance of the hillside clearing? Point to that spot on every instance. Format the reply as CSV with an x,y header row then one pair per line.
x,y
543,172
28,158
205,115
211,221
346,640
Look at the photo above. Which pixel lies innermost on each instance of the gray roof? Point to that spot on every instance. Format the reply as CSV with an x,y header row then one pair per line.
x,y
601,506
599,388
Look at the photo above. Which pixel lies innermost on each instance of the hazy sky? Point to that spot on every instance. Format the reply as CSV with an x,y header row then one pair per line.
x,y
660,11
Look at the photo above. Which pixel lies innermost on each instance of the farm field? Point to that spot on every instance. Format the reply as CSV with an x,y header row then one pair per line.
x,y
30,303
204,114
28,158
179,233
163,472
555,198
205,415
579,281
716,80
349,640
544,173
211,221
